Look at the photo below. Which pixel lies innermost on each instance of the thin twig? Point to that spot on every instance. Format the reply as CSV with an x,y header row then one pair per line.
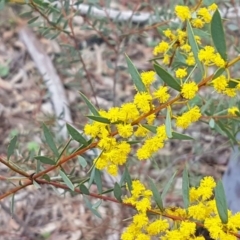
x,y
17,170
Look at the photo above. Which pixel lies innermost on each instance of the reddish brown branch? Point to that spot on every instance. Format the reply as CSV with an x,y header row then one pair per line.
x,y
16,189
17,170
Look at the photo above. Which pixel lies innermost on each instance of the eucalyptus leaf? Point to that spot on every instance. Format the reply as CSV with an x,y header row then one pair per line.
x,y
91,107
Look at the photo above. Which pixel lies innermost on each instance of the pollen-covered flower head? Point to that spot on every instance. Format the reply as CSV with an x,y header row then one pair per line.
x,y
183,12
189,90
181,73
162,47
148,78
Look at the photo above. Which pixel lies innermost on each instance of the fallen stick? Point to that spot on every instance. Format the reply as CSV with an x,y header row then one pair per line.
x,y
50,77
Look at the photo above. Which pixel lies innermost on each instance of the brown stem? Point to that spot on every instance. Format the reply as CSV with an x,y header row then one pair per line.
x,y
14,168
16,189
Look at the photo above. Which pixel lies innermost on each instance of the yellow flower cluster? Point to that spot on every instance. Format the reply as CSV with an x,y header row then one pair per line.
x,y
125,123
152,144
141,228
202,211
114,151
221,85
189,90
181,73
202,16
198,18
188,117
209,57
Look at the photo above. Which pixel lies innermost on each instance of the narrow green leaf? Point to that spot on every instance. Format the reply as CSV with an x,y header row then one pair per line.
x,y
108,191
49,140
156,195
88,203
98,180
218,35
84,189
152,129
26,14
128,179
91,177
97,204
167,77
194,47
11,147
226,131
82,161
123,177
66,180
167,186
76,135
89,206
233,83
221,202
218,73
95,212
99,119
41,3
117,192
36,185
55,190
185,188
63,150
33,20
168,123
45,160
38,165
180,136
93,110
135,76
